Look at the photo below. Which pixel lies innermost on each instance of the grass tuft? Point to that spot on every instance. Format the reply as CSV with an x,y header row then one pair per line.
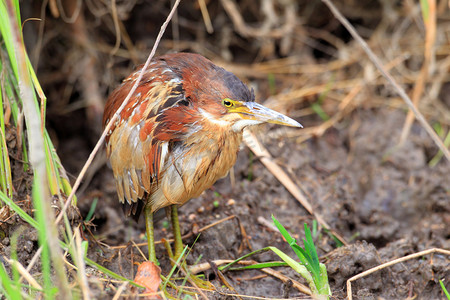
x,y
317,273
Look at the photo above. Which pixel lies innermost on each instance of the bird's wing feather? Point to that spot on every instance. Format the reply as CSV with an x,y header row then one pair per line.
x,y
138,143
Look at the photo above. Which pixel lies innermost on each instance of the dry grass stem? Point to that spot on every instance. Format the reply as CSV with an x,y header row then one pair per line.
x,y
390,263
120,290
23,272
82,278
205,15
376,61
266,29
419,86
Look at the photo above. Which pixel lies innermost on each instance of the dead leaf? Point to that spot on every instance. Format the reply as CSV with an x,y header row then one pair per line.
x,y
148,275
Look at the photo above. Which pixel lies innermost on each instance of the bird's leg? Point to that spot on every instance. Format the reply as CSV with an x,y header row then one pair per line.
x,y
178,243
150,236
179,247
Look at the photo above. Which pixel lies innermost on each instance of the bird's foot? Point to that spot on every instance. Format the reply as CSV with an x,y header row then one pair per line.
x,y
178,260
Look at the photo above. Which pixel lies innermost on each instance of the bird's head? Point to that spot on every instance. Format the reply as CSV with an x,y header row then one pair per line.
x,y
219,97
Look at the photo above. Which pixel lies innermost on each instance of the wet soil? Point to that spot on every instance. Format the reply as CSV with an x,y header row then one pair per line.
x,y
386,201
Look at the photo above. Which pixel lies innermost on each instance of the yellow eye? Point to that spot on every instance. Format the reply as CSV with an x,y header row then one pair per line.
x,y
227,103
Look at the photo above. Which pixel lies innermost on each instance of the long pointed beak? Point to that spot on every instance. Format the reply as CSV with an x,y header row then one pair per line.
x,y
258,112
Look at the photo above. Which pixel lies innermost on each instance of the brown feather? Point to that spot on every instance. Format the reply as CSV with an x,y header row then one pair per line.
x,y
164,149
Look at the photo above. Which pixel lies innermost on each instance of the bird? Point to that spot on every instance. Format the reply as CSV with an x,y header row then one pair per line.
x,y
178,134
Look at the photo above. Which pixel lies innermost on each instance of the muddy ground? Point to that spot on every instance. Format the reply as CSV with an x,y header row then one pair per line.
x,y
385,206
384,200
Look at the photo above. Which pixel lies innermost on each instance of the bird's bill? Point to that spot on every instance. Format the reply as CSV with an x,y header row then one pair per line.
x,y
258,112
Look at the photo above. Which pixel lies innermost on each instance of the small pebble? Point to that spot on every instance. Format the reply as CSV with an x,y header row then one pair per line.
x,y
195,228
192,217
231,202
28,246
201,209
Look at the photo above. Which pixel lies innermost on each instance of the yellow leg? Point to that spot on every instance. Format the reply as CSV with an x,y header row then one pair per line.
x,y
179,247
150,235
178,243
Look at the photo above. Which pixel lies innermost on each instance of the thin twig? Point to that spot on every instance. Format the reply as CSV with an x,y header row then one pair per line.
x,y
390,263
401,92
113,119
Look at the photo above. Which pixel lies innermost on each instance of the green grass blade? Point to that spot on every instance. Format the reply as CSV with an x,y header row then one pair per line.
x,y
435,160
312,253
177,263
18,210
5,166
35,224
317,108
289,239
299,268
42,238
309,242
272,264
91,210
317,275
14,238
425,10
6,32
441,282
335,239
227,266
10,287
109,272
324,288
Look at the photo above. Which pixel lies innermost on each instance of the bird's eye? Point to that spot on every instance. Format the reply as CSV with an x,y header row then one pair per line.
x,y
227,103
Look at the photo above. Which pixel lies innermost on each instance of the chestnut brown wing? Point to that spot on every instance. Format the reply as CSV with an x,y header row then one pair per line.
x,y
138,144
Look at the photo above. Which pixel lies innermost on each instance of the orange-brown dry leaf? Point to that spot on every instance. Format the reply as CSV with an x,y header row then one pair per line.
x,y
148,275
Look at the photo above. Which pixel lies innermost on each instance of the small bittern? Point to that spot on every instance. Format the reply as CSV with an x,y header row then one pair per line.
x,y
178,134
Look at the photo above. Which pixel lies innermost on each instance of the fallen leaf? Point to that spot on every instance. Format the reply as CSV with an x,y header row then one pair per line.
x,y
148,275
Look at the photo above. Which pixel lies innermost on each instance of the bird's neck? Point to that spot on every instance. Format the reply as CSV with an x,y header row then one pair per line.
x,y
216,146
207,138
